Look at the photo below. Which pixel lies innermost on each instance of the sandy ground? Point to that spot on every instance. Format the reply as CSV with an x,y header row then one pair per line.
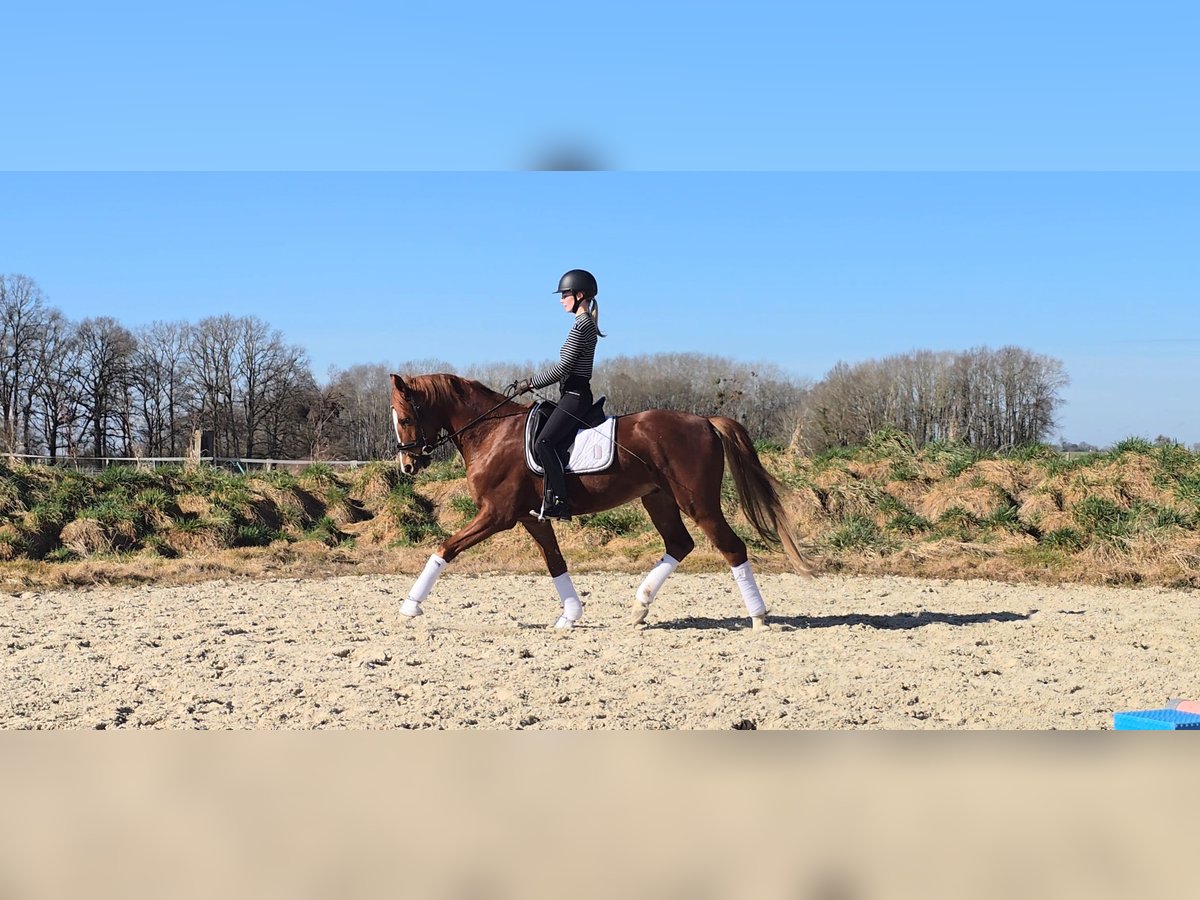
x,y
843,652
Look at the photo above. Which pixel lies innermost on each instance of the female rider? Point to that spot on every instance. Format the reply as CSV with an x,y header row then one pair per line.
x,y
577,290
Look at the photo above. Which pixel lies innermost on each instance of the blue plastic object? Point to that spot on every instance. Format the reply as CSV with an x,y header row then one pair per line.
x,y
1156,720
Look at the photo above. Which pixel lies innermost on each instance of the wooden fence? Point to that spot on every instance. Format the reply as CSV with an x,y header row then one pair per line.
x,y
235,464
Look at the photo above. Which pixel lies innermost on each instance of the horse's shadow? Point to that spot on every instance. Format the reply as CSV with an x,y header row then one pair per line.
x,y
897,622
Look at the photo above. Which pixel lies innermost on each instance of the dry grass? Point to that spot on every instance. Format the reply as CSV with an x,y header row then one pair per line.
x,y
193,504
10,499
196,538
908,493
1045,510
869,470
964,492
87,537
1013,478
11,542
289,511
345,513
845,494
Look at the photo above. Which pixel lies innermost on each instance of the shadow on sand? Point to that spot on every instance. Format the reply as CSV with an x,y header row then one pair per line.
x,y
897,622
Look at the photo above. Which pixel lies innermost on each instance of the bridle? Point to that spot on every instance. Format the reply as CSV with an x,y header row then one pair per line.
x,y
422,444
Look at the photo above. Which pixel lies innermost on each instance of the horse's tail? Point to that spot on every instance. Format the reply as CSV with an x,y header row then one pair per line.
x,y
759,492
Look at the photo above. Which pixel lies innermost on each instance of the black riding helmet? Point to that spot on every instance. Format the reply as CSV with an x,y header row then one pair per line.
x,y
578,280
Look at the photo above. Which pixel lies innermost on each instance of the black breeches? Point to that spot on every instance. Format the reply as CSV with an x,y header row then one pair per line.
x,y
562,424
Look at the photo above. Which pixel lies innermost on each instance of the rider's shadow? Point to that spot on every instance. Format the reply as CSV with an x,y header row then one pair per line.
x,y
896,622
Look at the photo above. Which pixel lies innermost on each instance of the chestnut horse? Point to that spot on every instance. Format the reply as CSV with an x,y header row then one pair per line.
x,y
672,461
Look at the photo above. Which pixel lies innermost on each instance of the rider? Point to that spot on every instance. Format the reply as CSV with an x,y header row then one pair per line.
x,y
577,290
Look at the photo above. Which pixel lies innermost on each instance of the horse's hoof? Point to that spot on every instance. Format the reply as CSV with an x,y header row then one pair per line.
x,y
760,623
410,609
639,614
564,622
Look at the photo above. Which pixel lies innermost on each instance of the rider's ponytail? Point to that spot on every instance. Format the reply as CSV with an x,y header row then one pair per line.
x,y
594,312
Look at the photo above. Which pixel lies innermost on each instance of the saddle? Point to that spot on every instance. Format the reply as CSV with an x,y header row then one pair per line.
x,y
589,450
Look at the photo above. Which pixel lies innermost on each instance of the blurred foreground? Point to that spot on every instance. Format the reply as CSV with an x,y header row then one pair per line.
x,y
829,817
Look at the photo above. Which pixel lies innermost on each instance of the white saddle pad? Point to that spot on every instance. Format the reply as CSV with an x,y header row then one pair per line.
x,y
591,451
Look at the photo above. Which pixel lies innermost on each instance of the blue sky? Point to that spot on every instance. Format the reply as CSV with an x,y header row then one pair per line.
x,y
800,269
649,85
801,183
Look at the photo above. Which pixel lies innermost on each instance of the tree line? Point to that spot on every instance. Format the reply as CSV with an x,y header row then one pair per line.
x,y
97,388
989,399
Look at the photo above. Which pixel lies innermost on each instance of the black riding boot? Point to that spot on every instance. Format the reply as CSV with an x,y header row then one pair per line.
x,y
562,424
554,485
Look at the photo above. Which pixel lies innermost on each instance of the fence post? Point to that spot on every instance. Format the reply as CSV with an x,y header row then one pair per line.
x,y
201,447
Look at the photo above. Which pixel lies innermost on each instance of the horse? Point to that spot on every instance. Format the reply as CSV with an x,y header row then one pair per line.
x,y
673,462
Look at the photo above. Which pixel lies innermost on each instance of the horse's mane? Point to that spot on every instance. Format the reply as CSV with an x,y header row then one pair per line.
x,y
446,391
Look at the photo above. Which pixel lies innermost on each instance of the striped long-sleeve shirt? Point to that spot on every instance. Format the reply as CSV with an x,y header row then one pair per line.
x,y
577,355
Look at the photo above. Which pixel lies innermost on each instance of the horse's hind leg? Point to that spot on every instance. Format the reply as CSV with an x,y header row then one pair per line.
x,y
712,522
543,534
664,513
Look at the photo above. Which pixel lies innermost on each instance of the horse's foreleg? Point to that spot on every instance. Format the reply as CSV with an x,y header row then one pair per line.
x,y
411,608
483,526
572,607
664,513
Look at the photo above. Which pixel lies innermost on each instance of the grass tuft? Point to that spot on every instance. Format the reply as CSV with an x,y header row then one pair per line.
x,y
858,533
619,522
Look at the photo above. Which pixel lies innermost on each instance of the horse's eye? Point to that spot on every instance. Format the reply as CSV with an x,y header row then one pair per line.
x,y
406,422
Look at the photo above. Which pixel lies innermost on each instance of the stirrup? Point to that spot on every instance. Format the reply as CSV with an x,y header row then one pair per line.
x,y
559,509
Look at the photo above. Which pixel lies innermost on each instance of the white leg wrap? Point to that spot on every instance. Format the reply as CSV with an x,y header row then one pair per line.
x,y
755,605
572,607
650,587
422,586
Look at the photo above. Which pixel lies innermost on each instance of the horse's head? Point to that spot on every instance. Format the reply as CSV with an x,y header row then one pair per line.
x,y
415,446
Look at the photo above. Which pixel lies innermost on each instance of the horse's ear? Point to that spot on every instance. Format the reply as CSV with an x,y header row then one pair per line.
x,y
398,383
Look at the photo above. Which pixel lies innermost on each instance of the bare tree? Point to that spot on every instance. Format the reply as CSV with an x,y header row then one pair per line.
x,y
291,398
254,390
211,348
496,375
106,350
165,393
363,426
24,318
58,404
268,373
